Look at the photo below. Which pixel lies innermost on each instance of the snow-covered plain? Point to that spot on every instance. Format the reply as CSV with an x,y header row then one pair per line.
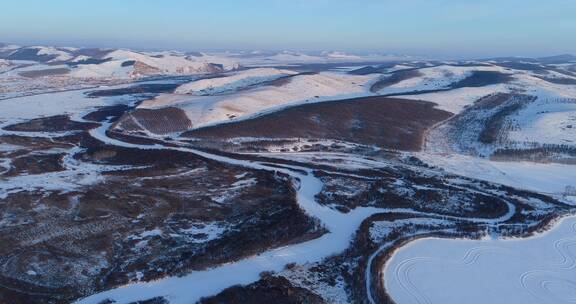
x,y
545,178
74,103
30,107
538,269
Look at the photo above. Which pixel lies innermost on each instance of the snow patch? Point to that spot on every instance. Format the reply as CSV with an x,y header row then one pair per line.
x,y
231,83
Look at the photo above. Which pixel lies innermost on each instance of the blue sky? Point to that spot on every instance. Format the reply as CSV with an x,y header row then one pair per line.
x,y
436,27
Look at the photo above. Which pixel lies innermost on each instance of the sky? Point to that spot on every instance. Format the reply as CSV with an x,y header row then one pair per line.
x,y
472,28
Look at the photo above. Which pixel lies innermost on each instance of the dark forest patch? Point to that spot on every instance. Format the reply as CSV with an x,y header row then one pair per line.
x,y
268,290
385,122
158,121
44,73
57,123
394,79
481,79
149,88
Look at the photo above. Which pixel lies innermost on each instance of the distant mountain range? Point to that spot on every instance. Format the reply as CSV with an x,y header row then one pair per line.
x,y
123,63
106,63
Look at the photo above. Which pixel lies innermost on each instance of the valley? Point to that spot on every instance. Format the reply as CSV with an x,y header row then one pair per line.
x,y
163,177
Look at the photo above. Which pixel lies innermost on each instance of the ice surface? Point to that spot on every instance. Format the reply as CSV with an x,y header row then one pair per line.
x,y
538,269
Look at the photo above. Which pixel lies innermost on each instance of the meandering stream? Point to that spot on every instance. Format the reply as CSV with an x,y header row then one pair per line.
x,y
198,284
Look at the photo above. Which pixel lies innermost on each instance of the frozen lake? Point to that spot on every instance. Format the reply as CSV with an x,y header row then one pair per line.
x,y
539,269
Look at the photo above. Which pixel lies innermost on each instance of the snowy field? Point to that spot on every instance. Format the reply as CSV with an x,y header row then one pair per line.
x,y
547,121
454,101
545,178
535,270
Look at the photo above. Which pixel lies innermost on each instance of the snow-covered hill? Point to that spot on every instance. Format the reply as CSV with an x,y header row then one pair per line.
x,y
435,78
124,63
206,110
46,54
546,121
452,86
127,64
60,55
455,87
233,82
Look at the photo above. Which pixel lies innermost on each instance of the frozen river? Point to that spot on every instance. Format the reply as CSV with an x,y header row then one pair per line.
x,y
539,269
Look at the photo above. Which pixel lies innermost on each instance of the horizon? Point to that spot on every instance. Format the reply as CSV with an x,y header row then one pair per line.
x,y
446,29
416,56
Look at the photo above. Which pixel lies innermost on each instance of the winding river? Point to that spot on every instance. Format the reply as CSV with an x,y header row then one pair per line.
x,y
189,288
198,284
